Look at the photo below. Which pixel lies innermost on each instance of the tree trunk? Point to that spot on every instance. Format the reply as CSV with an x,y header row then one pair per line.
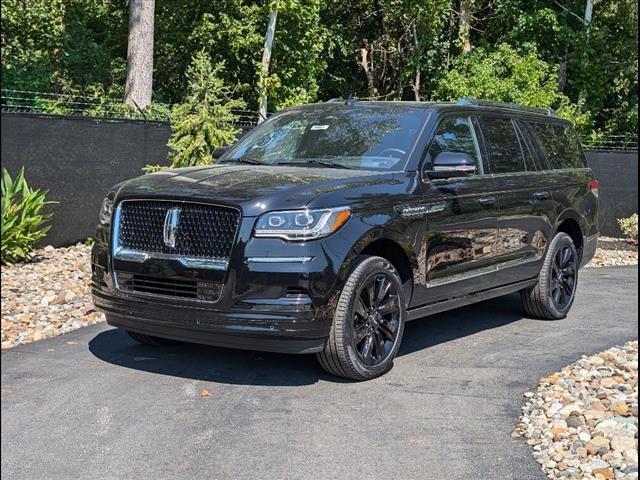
x,y
364,61
416,43
466,15
562,69
139,86
266,60
588,15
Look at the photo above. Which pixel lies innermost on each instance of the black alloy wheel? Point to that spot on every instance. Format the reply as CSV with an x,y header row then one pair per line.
x,y
552,296
376,319
563,277
368,322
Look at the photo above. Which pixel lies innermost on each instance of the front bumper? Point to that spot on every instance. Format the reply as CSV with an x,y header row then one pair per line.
x,y
278,307
270,328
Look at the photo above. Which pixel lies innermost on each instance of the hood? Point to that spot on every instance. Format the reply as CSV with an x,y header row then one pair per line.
x,y
253,188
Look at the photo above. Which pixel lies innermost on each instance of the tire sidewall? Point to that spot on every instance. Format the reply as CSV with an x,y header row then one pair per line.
x,y
559,241
364,271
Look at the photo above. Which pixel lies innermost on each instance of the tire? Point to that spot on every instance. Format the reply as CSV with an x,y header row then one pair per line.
x,y
361,311
540,301
149,340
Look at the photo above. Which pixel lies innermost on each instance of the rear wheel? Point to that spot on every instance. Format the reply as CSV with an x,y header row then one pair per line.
x,y
368,323
150,340
552,297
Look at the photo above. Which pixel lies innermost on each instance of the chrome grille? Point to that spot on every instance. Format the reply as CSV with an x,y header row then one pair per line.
x,y
203,230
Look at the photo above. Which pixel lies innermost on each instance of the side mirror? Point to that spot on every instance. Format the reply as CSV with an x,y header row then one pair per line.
x,y
220,151
452,164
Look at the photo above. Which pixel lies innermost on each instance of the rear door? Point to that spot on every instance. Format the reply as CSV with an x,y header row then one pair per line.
x,y
458,255
524,196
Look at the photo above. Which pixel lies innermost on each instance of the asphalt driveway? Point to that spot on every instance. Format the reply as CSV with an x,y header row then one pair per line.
x,y
93,404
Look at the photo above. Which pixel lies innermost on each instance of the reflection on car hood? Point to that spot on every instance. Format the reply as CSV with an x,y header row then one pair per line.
x,y
254,188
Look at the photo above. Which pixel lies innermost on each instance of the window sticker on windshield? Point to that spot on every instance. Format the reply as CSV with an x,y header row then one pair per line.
x,y
319,127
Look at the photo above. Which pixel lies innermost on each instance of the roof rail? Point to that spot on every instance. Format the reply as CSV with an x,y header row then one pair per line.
x,y
506,106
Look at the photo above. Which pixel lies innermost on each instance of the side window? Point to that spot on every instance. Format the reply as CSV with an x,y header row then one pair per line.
x,y
573,154
454,134
528,150
503,145
561,145
534,142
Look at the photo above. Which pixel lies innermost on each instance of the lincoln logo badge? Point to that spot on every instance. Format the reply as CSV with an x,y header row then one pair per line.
x,y
170,231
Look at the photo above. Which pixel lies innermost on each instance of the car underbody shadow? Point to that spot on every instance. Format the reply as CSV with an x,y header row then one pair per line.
x,y
242,367
436,329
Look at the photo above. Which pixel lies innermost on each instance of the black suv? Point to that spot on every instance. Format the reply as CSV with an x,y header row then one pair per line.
x,y
329,226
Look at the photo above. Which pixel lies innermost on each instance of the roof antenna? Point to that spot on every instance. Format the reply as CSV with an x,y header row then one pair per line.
x,y
350,100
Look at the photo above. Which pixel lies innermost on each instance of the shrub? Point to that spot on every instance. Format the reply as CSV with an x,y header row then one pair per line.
x,y
629,227
22,218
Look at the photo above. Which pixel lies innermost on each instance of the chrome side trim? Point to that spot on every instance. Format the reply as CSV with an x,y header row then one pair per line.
x,y
461,276
482,271
279,259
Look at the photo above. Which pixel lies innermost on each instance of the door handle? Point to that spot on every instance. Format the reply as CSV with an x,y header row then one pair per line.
x,y
484,201
541,195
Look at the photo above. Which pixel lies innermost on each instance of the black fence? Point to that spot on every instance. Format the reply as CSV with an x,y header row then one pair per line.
x,y
617,172
78,159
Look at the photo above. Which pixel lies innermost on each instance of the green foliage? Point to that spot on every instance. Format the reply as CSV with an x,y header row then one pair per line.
x,y
502,74
22,218
629,227
204,121
413,49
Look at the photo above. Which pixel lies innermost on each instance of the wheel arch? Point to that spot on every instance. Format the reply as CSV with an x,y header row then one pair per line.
x,y
391,246
569,222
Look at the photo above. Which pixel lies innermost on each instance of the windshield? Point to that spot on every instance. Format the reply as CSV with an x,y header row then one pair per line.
x,y
342,138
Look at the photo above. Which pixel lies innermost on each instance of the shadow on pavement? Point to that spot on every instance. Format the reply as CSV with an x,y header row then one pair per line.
x,y
241,367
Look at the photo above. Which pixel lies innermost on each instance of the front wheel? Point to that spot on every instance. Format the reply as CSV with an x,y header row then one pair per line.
x,y
368,323
552,297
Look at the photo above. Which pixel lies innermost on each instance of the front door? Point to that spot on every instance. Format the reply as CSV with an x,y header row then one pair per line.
x,y
458,255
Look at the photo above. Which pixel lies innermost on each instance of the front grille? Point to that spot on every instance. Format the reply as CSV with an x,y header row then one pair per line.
x,y
169,286
202,230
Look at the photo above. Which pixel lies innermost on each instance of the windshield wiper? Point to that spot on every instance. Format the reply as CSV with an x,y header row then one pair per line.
x,y
316,162
249,160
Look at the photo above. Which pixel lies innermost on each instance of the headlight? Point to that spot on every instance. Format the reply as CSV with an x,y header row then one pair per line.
x,y
106,210
302,225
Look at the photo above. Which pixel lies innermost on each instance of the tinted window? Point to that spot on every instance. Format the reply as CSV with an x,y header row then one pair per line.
x,y
561,145
503,145
528,152
376,139
453,135
535,146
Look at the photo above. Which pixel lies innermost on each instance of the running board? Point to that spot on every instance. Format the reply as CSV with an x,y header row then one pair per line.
x,y
445,305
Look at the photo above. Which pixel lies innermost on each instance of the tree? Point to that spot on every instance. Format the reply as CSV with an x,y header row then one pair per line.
x,y
139,84
266,59
204,121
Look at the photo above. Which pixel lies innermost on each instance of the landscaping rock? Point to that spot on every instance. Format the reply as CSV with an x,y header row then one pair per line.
x,y
614,252
47,297
583,420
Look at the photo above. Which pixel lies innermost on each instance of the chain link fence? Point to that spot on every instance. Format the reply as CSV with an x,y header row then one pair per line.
x,y
24,101
612,142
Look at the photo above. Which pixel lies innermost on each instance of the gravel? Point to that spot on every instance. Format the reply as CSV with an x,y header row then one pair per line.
x,y
614,252
582,422
47,297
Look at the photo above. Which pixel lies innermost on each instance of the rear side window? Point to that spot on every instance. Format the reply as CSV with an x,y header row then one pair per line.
x,y
561,145
503,145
